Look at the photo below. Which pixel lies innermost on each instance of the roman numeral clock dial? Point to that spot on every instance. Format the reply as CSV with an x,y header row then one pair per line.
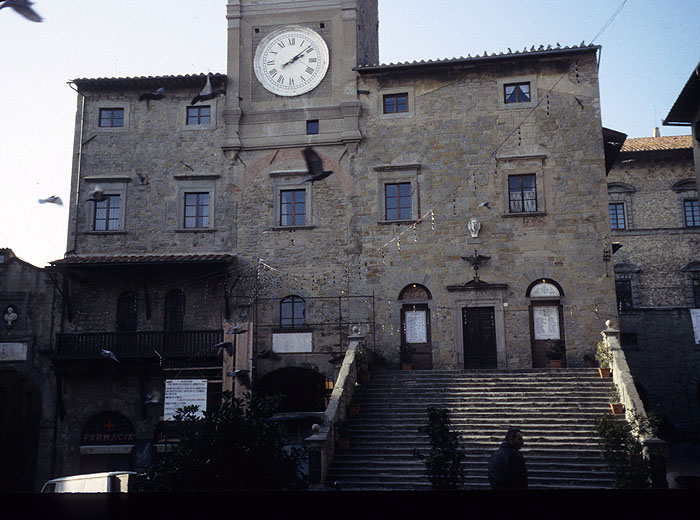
x,y
291,61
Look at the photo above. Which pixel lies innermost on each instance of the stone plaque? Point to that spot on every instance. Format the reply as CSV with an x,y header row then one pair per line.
x,y
13,352
184,392
416,327
292,342
544,290
546,321
695,318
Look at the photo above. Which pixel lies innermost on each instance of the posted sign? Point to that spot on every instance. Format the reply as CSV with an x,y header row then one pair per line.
x,y
184,392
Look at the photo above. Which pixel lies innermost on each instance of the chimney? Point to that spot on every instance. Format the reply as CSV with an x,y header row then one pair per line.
x,y
656,132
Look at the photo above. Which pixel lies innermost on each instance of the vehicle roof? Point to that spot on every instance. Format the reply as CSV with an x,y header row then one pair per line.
x,y
93,475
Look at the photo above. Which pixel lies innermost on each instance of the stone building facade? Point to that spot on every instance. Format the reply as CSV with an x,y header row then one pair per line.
x,y
27,384
653,201
465,217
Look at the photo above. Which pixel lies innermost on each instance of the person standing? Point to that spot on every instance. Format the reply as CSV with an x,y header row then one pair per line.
x,y
507,468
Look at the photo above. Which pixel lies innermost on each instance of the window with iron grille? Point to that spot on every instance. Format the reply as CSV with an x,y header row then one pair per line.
x,y
516,92
395,103
522,193
196,210
107,214
623,291
617,215
292,312
292,207
111,117
397,201
199,115
691,212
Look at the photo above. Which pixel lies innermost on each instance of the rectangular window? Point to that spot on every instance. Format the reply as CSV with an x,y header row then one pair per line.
x,y
617,215
292,207
111,117
516,92
522,193
395,103
623,290
196,210
397,201
199,115
107,214
696,292
312,127
692,213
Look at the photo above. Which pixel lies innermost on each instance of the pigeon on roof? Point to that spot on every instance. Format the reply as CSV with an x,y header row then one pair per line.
x,y
156,94
315,165
24,8
208,92
53,199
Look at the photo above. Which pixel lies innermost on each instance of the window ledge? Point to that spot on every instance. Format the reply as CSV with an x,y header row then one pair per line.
x,y
287,228
105,232
292,330
525,214
407,221
195,230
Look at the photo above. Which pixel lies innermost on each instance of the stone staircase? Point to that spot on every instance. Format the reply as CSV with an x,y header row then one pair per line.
x,y
555,408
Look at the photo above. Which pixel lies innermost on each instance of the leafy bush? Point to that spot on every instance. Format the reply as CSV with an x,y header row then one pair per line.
x,y
235,447
444,461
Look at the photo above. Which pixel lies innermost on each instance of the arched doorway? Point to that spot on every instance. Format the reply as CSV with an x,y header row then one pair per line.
x,y
20,411
305,390
415,324
546,319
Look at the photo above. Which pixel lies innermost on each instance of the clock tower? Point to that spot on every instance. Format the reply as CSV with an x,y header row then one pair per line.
x,y
290,71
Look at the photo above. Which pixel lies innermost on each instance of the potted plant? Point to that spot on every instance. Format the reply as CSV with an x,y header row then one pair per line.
x,y
362,360
406,355
604,356
343,434
378,362
555,354
615,402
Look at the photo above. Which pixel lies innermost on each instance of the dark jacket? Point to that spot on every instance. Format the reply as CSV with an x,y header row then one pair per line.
x,y
507,469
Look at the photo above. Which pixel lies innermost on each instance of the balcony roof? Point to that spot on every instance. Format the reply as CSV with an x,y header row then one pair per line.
x,y
135,260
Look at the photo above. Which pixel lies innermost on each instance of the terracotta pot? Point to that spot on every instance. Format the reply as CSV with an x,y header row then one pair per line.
x,y
604,372
343,443
617,408
354,409
365,375
555,363
406,366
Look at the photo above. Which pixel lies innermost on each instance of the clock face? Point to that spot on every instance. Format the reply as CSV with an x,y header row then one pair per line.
x,y
291,61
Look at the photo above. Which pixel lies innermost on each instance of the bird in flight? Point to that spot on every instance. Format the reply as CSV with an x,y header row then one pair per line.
x,y
208,92
315,165
23,7
486,205
97,195
108,354
156,94
53,199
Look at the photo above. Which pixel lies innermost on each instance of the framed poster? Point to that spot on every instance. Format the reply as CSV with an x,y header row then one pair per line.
x,y
546,322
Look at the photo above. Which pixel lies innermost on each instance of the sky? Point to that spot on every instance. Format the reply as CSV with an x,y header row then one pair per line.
x,y
648,52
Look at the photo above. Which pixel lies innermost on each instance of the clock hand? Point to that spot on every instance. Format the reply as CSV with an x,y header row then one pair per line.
x,y
295,58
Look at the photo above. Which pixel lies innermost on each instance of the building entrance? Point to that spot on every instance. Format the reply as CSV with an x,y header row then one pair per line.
x,y
479,333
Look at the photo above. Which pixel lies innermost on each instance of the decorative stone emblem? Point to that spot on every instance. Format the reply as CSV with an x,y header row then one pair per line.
x,y
474,226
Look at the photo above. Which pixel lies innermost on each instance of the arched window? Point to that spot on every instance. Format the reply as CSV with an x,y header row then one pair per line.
x,y
292,312
175,310
126,312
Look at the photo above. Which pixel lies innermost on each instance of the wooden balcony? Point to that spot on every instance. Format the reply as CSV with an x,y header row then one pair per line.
x,y
139,345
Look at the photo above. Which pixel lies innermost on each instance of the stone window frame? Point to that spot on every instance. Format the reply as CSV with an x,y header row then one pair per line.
x,y
528,164
398,174
696,223
531,79
106,105
621,193
200,183
298,322
212,104
110,185
625,271
292,180
692,277
408,90
685,189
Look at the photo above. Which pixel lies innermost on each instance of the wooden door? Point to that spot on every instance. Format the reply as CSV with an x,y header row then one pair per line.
x,y
479,333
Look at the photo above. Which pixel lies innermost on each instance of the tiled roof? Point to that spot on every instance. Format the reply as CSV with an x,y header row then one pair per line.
x,y
142,259
146,82
541,51
650,144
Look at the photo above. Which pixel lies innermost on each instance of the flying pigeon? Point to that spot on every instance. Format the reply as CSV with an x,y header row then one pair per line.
x,y
53,199
159,93
315,165
97,195
109,354
143,179
208,92
23,7
224,345
236,330
486,205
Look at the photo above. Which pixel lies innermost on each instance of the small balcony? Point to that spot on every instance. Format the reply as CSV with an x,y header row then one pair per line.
x,y
139,345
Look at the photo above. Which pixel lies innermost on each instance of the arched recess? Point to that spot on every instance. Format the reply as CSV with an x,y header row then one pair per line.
x,y
304,390
415,324
546,319
107,443
20,411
